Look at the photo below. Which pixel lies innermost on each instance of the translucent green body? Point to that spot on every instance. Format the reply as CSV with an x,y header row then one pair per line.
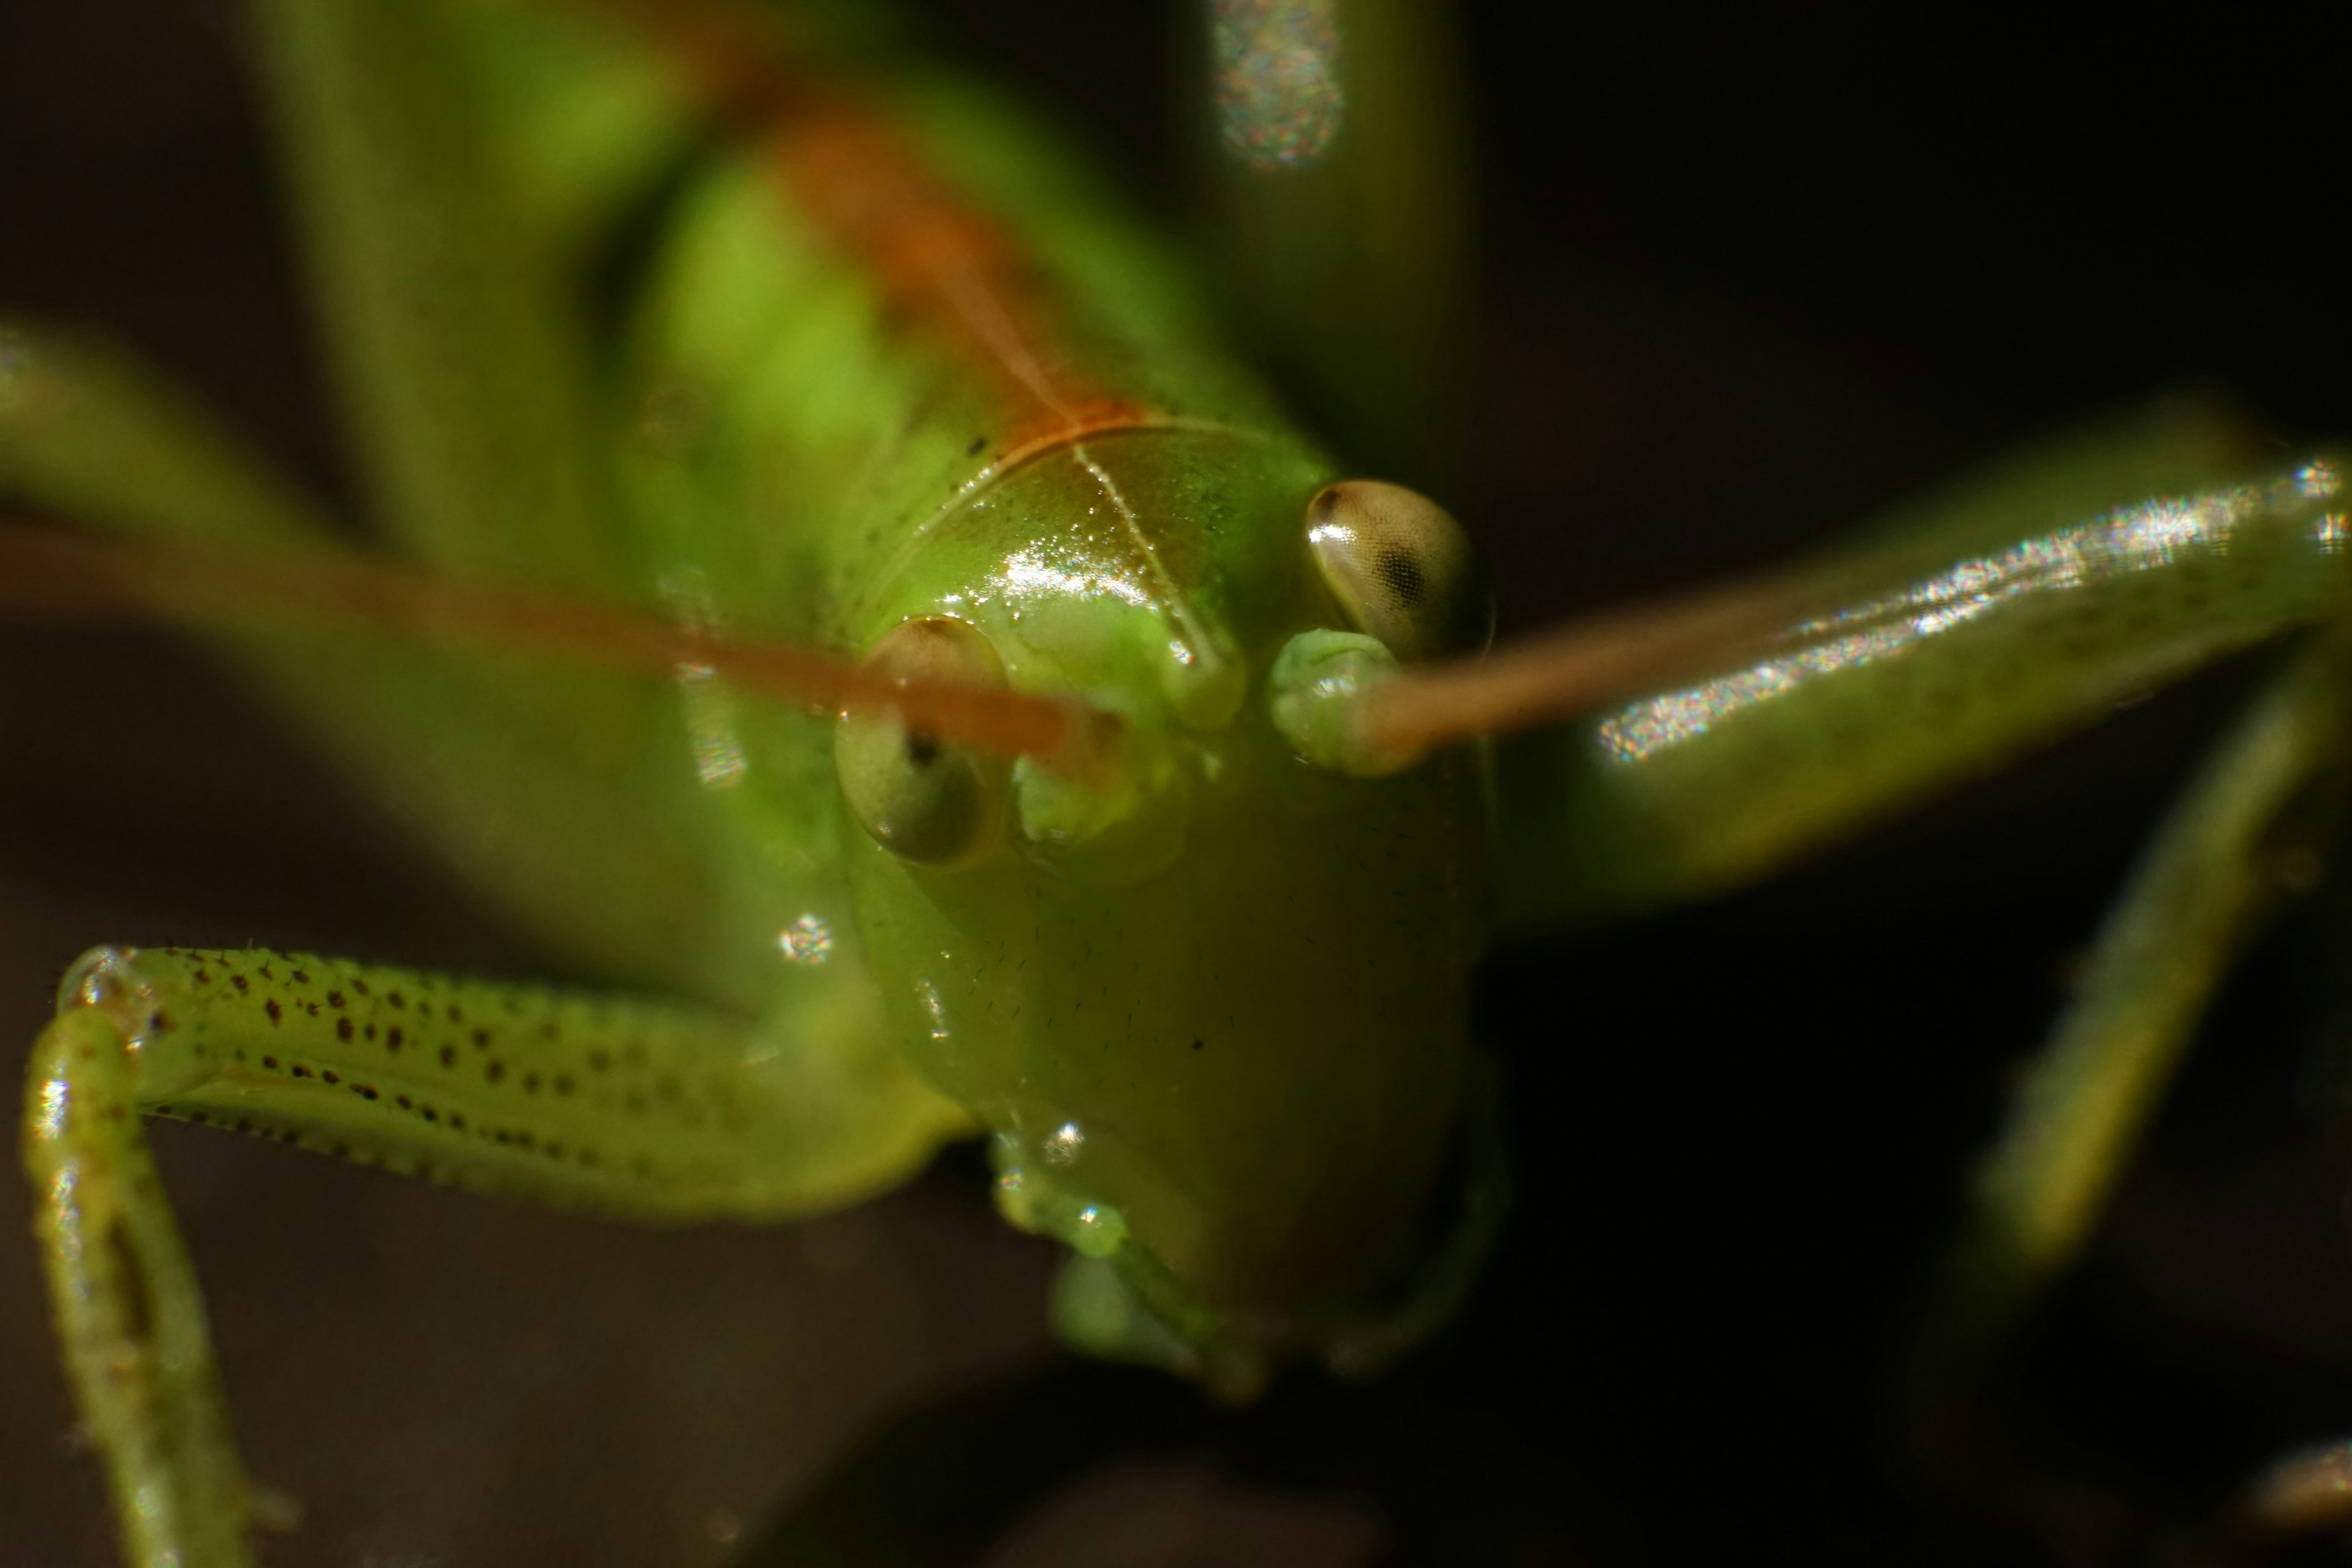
x,y
1216,1016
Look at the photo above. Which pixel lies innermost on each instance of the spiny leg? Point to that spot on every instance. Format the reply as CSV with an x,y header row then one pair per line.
x,y
2249,829
629,1107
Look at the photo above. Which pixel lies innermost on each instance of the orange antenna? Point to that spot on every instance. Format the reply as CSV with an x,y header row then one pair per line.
x,y
1581,666
82,576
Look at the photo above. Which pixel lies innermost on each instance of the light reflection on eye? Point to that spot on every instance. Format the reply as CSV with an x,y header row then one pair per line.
x,y
2132,539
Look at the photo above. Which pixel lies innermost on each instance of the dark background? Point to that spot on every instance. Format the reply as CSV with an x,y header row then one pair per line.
x,y
1751,269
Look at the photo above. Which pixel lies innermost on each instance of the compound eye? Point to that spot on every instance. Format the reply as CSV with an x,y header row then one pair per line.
x,y
1400,565
921,798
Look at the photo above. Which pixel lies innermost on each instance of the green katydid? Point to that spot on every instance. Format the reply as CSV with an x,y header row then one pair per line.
x,y
2034,543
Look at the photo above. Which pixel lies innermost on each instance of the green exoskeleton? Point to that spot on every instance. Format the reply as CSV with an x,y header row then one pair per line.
x,y
894,382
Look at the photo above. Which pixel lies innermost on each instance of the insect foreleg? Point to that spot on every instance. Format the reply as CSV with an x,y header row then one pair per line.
x,y
1990,621
2251,829
130,1319
649,1110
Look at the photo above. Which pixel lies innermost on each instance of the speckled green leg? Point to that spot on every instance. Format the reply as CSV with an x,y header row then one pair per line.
x,y
2246,833
635,1108
130,1321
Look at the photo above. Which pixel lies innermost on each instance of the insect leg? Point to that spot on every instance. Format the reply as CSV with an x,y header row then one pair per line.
x,y
2249,829
648,1109
1344,204
130,1319
466,377
1990,621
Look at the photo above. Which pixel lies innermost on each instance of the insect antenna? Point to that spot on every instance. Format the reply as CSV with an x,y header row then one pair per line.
x,y
1603,659
58,573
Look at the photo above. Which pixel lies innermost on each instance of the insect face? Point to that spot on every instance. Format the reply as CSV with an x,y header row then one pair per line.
x,y
1215,1013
